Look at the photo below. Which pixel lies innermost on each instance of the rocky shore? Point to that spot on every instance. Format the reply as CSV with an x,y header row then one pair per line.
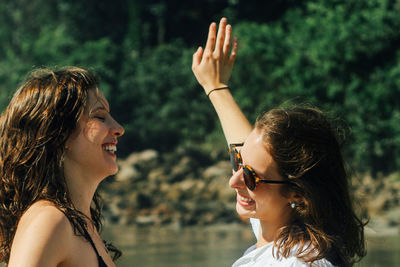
x,y
378,200
190,187
184,187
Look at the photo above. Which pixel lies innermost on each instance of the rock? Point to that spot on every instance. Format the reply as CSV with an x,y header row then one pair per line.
x,y
157,175
221,169
127,172
174,193
144,156
180,170
187,185
218,176
131,168
146,219
378,205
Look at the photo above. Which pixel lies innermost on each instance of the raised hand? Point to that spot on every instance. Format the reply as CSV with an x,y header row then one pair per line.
x,y
213,66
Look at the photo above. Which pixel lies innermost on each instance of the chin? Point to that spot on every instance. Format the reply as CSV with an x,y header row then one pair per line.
x,y
244,214
113,171
108,172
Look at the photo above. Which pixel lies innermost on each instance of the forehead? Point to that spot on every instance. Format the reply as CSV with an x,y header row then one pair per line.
x,y
97,99
254,147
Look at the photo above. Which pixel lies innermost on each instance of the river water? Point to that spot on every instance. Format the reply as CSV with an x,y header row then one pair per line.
x,y
213,246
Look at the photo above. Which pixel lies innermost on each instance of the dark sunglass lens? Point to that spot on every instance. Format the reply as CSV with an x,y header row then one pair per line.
x,y
249,178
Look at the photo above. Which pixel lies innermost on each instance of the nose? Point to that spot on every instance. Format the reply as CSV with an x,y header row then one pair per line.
x,y
116,129
237,180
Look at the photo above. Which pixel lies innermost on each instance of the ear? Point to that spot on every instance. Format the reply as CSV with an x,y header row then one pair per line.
x,y
67,145
296,198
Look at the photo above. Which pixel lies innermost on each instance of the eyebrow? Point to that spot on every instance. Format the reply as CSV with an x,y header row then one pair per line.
x,y
99,108
105,104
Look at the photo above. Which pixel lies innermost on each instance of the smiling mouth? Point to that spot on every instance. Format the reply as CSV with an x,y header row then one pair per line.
x,y
110,148
244,201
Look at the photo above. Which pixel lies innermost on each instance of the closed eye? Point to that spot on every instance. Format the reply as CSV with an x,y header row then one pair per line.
x,y
100,118
100,113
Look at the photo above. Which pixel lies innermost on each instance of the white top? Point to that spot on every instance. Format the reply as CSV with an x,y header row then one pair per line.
x,y
264,256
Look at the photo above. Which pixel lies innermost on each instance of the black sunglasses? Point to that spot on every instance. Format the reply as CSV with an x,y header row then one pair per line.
x,y
250,178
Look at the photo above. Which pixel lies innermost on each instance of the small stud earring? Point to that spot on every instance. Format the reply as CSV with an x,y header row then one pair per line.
x,y
293,205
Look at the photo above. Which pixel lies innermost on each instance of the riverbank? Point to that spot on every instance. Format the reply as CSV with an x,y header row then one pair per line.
x,y
189,186
184,187
213,245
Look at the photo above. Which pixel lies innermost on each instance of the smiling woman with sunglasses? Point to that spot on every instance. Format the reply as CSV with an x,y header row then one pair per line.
x,y
288,174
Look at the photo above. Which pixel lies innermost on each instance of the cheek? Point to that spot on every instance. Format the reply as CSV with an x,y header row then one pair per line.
x,y
94,132
271,198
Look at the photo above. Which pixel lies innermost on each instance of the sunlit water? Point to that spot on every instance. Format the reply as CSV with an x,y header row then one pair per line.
x,y
215,246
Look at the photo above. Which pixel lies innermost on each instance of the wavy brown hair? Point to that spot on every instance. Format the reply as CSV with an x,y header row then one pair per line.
x,y
34,127
305,146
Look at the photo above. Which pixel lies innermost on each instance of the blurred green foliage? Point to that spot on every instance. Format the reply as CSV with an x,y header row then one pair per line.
x,y
342,56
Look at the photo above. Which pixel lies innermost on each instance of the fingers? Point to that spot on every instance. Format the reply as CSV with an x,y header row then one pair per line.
x,y
211,38
217,44
197,57
232,57
220,37
227,42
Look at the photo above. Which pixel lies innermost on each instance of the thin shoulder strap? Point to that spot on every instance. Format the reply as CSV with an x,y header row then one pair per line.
x,y
88,237
99,258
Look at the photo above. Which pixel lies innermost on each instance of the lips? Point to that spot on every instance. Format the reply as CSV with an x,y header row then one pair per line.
x,y
110,147
244,201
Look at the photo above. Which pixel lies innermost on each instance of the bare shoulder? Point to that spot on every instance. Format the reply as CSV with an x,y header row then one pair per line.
x,y
44,215
43,237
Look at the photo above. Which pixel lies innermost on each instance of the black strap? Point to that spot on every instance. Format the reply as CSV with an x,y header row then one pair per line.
x,y
99,258
91,241
216,89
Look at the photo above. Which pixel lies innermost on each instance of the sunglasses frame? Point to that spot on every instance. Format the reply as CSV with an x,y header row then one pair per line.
x,y
236,160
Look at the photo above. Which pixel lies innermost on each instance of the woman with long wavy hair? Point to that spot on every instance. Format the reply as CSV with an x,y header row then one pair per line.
x,y
288,173
57,144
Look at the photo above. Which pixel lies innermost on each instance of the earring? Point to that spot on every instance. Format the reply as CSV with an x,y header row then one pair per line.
x,y
293,205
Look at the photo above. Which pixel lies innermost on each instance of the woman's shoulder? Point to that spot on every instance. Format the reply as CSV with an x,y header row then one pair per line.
x,y
265,256
43,233
45,214
295,262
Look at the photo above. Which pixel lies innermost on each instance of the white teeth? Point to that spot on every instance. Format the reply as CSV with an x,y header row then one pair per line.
x,y
110,148
245,199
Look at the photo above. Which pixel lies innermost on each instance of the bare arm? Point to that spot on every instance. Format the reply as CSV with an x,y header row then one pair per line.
x,y
212,68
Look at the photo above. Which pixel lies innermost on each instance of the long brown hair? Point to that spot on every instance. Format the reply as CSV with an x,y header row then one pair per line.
x,y
306,148
34,127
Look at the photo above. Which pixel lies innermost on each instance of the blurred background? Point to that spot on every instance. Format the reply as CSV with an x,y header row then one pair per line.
x,y
170,204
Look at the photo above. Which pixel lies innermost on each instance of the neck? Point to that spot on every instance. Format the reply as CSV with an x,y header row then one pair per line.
x,y
269,231
81,187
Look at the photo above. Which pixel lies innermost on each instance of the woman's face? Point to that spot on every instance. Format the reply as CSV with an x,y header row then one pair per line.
x,y
91,147
266,202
